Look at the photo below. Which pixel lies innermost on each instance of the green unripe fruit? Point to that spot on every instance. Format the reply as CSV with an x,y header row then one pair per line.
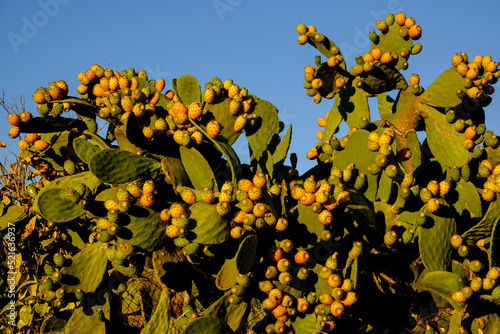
x,y
372,35
266,286
48,284
374,169
390,238
286,245
191,248
416,49
408,236
60,293
465,172
391,171
56,276
463,251
238,290
284,265
59,260
421,219
49,296
363,123
105,236
455,174
48,269
451,116
407,180
389,19
181,242
385,150
360,182
460,125
492,141
478,152
425,195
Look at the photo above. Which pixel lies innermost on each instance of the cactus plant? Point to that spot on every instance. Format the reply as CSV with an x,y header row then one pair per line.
x,y
158,226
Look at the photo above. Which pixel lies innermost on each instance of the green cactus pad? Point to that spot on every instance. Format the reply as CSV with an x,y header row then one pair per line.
x,y
207,325
363,214
116,166
353,105
187,89
84,149
434,241
245,257
333,121
228,274
484,228
210,227
468,199
174,171
160,321
196,167
260,135
356,151
52,207
383,78
220,110
305,323
49,124
279,155
146,229
12,215
129,136
55,209
442,93
86,270
324,47
442,283
233,315
329,75
392,41
386,107
494,259
445,143
309,220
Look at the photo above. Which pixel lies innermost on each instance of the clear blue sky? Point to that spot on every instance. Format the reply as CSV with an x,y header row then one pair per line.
x,y
252,42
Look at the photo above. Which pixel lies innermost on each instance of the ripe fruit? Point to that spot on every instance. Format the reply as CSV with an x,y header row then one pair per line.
x,y
400,18
213,128
195,110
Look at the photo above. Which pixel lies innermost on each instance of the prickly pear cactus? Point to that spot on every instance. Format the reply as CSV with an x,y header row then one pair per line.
x,y
153,224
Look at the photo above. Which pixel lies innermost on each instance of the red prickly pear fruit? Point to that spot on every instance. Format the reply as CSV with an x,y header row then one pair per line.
x,y
275,253
301,257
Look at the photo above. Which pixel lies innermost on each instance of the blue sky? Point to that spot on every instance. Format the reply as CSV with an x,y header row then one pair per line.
x,y
252,42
